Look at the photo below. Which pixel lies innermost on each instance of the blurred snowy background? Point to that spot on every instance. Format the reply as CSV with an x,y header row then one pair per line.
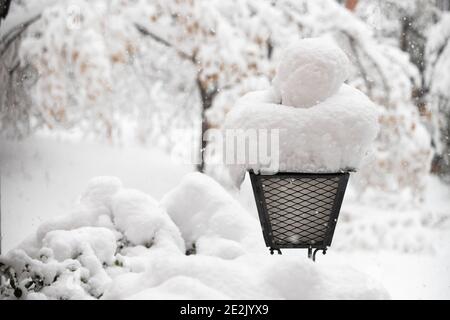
x,y
126,88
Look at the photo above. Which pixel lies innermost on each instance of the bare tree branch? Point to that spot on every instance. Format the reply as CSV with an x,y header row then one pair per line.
x,y
144,31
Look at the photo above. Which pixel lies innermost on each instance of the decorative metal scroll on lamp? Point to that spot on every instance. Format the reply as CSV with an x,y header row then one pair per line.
x,y
299,210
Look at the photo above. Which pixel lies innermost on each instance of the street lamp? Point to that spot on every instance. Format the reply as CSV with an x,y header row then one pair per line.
x,y
299,210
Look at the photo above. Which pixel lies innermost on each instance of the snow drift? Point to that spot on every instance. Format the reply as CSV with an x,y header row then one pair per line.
x,y
324,125
198,243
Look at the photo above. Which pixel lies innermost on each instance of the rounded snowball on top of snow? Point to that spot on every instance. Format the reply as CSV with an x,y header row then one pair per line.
x,y
310,71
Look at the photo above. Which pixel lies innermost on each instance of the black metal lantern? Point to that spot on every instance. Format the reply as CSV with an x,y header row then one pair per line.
x,y
299,210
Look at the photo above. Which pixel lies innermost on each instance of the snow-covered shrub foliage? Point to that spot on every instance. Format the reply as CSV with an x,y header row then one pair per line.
x,y
209,33
94,71
198,243
78,63
401,22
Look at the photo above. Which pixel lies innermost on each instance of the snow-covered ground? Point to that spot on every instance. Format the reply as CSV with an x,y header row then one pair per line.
x,y
42,177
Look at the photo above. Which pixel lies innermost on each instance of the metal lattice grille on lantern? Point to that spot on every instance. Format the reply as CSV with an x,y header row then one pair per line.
x,y
299,210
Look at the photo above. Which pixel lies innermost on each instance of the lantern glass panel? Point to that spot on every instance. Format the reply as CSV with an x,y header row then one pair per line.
x,y
299,210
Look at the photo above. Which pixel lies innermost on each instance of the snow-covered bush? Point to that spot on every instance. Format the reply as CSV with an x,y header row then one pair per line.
x,y
78,63
215,224
198,243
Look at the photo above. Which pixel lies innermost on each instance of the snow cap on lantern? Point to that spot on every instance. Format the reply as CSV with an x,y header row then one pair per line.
x,y
310,70
323,124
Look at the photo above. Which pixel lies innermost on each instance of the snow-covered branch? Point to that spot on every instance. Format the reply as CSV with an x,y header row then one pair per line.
x,y
155,37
